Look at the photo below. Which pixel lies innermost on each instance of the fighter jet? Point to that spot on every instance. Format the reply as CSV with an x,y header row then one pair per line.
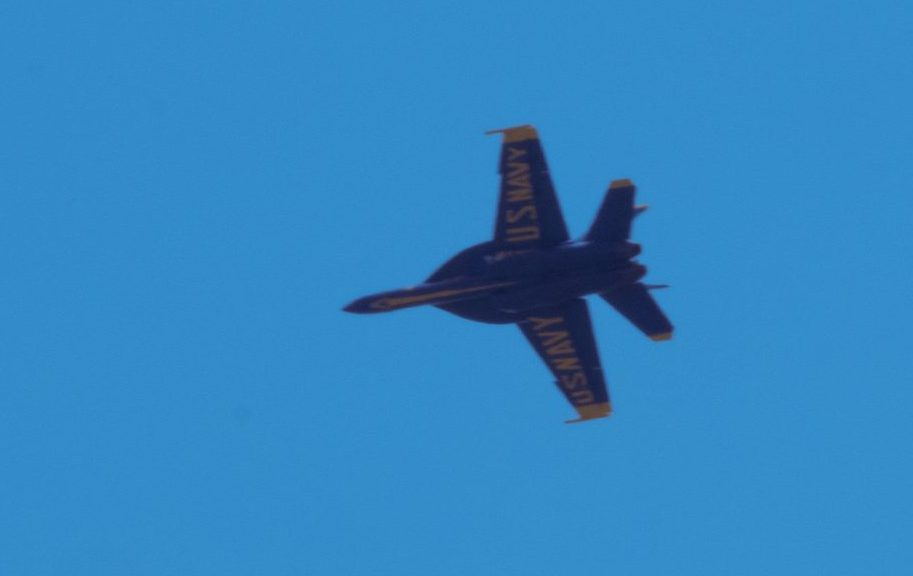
x,y
533,275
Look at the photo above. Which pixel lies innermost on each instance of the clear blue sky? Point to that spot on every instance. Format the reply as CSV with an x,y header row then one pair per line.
x,y
190,192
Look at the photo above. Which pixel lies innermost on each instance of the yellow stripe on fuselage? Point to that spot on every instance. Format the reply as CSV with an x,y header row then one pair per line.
x,y
390,302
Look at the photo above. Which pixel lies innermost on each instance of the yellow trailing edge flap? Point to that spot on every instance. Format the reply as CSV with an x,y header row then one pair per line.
x,y
592,412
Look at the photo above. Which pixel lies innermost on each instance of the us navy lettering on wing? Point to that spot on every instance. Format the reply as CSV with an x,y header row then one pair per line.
x,y
520,213
558,350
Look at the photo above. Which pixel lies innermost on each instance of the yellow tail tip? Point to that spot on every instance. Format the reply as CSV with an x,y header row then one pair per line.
x,y
622,183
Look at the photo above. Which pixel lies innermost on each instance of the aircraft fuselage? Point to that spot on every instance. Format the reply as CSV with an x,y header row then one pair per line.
x,y
491,283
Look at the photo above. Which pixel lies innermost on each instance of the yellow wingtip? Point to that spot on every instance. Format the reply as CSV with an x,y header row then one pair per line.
x,y
517,133
592,412
661,337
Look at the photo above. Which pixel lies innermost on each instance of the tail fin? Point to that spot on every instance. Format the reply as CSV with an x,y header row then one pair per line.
x,y
613,222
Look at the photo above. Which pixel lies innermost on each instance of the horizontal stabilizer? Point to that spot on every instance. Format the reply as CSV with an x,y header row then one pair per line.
x,y
634,302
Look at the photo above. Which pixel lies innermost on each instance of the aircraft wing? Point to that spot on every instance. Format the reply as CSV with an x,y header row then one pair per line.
x,y
634,302
563,337
528,212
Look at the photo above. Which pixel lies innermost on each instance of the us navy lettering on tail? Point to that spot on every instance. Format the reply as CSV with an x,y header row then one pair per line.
x,y
533,275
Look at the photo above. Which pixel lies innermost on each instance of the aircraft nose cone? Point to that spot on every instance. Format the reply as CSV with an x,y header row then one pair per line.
x,y
354,307
366,305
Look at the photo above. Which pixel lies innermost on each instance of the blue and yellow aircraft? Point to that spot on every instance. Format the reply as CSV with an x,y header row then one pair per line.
x,y
532,274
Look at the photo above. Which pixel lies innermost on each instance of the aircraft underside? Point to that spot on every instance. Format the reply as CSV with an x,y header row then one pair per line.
x,y
533,275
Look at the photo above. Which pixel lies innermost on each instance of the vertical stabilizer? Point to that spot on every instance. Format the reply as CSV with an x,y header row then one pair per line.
x,y
613,222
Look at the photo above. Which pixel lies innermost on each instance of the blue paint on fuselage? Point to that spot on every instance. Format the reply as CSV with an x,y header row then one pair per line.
x,y
493,283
